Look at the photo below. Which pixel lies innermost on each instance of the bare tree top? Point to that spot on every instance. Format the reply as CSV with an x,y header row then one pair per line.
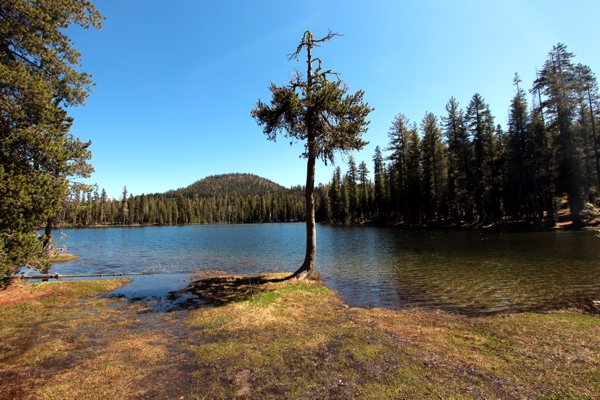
x,y
308,41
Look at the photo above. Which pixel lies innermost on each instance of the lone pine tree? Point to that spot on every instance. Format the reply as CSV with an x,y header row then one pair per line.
x,y
321,113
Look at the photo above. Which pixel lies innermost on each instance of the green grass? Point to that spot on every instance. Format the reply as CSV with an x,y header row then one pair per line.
x,y
285,340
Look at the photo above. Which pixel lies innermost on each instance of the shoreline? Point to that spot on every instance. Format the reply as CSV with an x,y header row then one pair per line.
x,y
515,227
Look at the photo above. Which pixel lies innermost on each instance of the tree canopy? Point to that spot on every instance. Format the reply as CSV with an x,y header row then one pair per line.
x,y
467,170
38,81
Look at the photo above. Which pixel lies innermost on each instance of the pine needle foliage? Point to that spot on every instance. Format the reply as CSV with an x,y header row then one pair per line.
x,y
38,155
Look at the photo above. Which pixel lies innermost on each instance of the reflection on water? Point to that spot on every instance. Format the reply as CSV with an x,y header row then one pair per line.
x,y
468,272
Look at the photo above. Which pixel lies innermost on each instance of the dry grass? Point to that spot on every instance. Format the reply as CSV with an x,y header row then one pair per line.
x,y
63,257
298,340
283,340
43,295
53,345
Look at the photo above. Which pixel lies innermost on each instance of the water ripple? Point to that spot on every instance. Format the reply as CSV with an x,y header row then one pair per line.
x,y
467,272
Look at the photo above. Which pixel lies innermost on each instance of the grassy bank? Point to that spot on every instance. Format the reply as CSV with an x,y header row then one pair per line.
x,y
62,257
288,339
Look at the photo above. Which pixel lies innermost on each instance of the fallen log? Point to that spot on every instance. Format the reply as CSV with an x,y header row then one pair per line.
x,y
58,276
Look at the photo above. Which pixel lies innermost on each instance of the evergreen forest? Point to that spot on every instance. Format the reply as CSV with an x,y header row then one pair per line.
x,y
230,198
460,168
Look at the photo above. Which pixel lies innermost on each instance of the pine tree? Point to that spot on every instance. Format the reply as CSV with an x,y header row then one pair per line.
x,y
557,82
321,112
345,200
520,167
324,203
379,172
588,99
399,134
363,177
480,125
103,201
335,195
95,205
543,159
498,167
414,178
38,156
460,159
433,166
124,207
353,196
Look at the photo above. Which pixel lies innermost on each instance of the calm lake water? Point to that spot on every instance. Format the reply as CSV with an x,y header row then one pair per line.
x,y
468,272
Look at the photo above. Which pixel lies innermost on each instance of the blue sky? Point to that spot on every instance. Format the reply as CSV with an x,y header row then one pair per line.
x,y
176,80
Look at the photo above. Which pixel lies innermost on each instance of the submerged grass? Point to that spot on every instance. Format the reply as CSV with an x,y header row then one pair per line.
x,y
63,257
283,340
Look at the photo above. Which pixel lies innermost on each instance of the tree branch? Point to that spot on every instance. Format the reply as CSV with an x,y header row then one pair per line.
x,y
329,36
308,41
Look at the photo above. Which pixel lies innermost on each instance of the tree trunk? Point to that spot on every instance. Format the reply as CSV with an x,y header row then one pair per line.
x,y
48,236
46,245
310,258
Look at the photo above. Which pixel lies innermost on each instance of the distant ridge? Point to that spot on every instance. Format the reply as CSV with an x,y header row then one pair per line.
x,y
228,184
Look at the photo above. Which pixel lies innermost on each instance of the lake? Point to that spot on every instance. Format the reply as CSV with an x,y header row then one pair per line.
x,y
371,266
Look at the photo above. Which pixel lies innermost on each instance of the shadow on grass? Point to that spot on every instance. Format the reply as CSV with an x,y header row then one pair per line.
x,y
222,290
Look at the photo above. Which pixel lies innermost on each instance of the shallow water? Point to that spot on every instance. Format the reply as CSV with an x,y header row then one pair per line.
x,y
468,272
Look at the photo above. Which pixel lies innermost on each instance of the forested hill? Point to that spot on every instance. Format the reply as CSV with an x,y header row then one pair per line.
x,y
228,184
229,198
